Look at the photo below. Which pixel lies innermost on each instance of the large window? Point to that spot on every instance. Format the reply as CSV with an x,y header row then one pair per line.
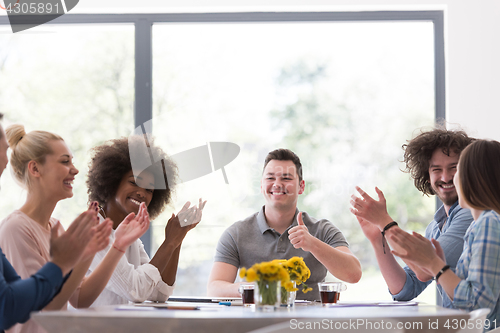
x,y
343,96
344,91
76,81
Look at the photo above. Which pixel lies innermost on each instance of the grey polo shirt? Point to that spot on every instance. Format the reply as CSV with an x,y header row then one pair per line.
x,y
252,241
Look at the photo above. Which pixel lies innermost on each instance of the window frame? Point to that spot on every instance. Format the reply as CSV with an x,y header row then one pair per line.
x,y
143,105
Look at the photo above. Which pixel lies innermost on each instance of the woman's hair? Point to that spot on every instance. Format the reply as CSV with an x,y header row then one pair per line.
x,y
418,153
26,147
479,175
112,160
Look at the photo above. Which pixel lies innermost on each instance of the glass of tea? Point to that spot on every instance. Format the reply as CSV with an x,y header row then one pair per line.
x,y
247,292
330,291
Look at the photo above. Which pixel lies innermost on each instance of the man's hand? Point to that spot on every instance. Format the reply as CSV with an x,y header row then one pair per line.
x,y
300,237
369,209
67,249
371,231
131,228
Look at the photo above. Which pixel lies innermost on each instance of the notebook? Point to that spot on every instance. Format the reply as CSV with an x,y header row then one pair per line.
x,y
203,299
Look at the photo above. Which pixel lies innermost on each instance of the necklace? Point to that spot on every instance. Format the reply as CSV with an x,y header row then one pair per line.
x,y
102,212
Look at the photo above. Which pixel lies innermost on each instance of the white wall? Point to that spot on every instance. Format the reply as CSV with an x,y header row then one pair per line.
x,y
472,37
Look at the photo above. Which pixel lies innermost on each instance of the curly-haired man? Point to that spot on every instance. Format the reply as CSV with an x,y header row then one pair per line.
x,y
431,158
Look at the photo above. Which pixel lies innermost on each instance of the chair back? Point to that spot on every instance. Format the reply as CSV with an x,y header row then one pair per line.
x,y
475,324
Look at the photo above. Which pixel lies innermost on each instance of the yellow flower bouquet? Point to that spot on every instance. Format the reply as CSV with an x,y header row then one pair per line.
x,y
274,279
268,277
298,273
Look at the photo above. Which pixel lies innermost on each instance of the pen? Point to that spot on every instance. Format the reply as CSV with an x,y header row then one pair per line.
x,y
225,303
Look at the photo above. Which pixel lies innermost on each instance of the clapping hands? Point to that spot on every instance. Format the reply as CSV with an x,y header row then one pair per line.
x,y
84,237
175,231
370,210
417,250
131,228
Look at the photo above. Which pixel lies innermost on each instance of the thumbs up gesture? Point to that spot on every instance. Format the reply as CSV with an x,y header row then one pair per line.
x,y
299,235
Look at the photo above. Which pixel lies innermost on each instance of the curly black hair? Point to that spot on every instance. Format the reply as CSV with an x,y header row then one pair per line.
x,y
419,150
111,161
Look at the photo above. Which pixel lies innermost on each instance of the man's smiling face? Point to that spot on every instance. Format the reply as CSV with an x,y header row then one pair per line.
x,y
442,168
280,185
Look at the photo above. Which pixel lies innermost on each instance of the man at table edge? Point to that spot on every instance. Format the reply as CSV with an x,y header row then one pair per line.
x,y
431,158
18,297
280,231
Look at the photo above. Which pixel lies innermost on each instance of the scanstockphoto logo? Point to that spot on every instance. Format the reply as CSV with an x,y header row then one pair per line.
x,y
191,164
26,14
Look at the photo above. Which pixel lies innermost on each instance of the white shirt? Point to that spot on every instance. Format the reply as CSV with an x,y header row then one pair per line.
x,y
134,278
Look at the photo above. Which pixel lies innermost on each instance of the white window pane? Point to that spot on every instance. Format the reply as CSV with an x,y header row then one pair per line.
x,y
343,96
76,81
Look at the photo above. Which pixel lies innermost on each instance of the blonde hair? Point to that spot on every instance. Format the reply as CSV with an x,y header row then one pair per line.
x,y
26,147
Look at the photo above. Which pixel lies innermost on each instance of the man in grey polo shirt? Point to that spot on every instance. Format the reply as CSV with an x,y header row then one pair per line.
x,y
280,231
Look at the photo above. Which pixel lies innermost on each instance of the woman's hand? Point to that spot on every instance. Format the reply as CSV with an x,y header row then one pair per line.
x,y
418,250
190,217
131,228
99,241
101,236
67,247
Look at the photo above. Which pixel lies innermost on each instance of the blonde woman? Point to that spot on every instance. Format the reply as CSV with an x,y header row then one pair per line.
x,y
42,163
18,297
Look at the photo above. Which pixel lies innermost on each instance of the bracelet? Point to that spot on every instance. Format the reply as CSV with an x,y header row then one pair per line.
x,y
444,269
117,249
387,227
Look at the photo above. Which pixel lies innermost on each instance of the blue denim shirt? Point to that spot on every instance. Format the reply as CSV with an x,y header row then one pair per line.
x,y
451,238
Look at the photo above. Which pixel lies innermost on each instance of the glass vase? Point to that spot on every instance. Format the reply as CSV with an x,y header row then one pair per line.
x,y
267,295
288,297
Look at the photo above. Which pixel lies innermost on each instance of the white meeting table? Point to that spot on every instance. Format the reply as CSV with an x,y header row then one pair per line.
x,y
110,319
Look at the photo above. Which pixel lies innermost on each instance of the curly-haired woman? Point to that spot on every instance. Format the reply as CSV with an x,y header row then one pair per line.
x,y
120,190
